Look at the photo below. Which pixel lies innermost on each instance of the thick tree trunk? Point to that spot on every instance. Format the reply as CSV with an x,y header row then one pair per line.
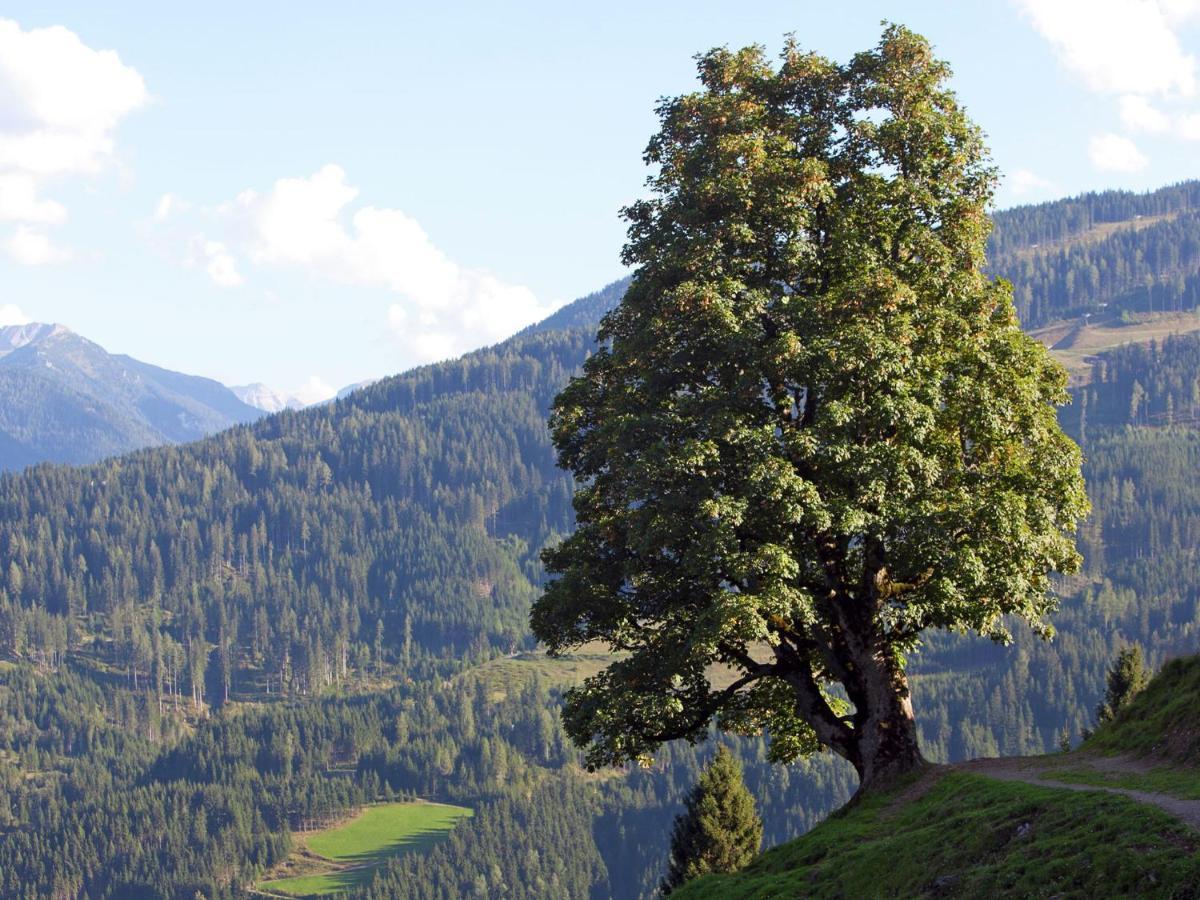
x,y
886,737
880,738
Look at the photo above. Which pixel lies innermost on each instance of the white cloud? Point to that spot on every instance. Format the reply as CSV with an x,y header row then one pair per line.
x,y
221,266
1138,114
1131,48
1120,46
169,205
1188,126
11,314
440,308
19,201
1179,11
60,104
62,100
1023,181
314,390
1113,153
32,247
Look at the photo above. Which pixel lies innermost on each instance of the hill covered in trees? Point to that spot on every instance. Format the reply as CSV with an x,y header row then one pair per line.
x,y
338,575
1101,254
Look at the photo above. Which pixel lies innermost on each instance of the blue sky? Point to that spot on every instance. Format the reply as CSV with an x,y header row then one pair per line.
x,y
313,194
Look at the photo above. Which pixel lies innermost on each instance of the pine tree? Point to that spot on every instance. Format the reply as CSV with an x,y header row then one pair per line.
x,y
719,830
1126,678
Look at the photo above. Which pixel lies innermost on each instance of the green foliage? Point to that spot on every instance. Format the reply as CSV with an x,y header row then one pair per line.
x,y
970,836
1126,678
719,830
813,425
84,789
1157,383
536,845
265,559
259,562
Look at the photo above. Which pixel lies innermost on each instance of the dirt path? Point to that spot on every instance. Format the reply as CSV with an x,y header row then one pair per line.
x,y
1032,770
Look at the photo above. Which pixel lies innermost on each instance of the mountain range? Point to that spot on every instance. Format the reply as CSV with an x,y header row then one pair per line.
x,y
266,398
65,399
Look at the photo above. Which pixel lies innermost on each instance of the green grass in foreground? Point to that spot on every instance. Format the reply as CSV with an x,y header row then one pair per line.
x,y
378,832
971,836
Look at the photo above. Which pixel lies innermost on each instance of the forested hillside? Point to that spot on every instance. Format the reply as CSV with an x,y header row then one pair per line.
x,y
337,574
403,520
1101,254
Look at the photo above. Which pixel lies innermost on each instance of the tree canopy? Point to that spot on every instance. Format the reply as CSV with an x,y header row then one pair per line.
x,y
813,428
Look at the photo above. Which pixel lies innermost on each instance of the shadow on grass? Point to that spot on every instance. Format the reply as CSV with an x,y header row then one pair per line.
x,y
370,832
322,885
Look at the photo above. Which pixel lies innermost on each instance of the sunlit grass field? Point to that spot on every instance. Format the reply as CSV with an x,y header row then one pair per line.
x,y
375,834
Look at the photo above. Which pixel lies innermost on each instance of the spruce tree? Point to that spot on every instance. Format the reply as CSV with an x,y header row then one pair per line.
x,y
719,830
1126,678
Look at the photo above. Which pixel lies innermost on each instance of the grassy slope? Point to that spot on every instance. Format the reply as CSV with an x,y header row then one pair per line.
x,y
501,676
1074,344
1163,721
384,830
1159,730
378,832
972,836
1093,235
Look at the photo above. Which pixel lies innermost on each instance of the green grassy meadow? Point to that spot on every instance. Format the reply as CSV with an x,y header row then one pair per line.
x,y
1181,783
357,846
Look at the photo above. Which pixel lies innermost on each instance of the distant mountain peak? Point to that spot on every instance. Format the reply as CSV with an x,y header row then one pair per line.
x,y
351,388
265,397
14,337
64,398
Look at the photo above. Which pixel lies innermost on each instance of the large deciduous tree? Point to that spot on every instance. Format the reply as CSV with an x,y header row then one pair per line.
x,y
813,428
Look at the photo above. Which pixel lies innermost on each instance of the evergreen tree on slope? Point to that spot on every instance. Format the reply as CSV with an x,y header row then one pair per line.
x,y
719,831
1126,678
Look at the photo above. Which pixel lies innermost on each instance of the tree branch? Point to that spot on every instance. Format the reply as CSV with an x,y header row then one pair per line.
x,y
712,706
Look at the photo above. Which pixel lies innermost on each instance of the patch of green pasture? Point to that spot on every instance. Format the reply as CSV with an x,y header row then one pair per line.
x,y
502,676
385,830
321,885
362,843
